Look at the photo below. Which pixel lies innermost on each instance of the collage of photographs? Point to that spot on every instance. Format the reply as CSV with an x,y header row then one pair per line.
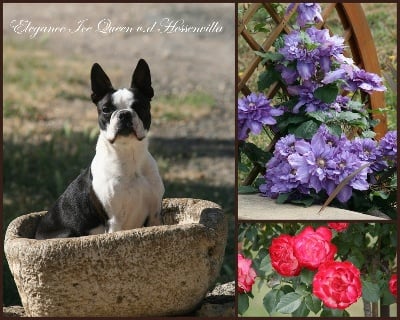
x,y
200,160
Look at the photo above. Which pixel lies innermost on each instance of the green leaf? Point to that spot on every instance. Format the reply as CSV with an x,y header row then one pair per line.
x,y
289,303
306,130
356,256
265,264
343,246
348,116
319,116
288,119
302,289
269,55
334,129
301,311
378,194
313,303
243,303
355,105
387,298
307,276
256,154
326,312
271,299
247,190
243,167
368,134
287,289
370,291
261,283
266,79
327,93
282,198
260,27
306,201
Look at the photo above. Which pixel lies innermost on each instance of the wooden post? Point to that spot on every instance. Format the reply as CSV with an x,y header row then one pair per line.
x,y
364,52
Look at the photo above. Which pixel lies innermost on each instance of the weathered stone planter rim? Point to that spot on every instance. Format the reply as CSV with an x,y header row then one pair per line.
x,y
142,233
139,233
186,253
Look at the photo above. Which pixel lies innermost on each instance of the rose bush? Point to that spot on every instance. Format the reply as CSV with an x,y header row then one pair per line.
x,y
353,264
337,284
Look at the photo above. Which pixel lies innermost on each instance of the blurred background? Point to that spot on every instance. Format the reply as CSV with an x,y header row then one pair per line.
x,y
50,125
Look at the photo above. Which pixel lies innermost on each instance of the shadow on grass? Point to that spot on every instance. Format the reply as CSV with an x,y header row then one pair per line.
x,y
35,174
193,147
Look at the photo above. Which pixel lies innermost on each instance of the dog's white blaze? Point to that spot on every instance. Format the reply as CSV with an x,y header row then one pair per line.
x,y
127,183
122,98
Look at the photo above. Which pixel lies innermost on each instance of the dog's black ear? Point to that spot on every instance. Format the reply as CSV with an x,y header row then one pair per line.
x,y
141,79
101,84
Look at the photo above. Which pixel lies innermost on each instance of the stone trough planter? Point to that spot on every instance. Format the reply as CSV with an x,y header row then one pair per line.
x,y
154,271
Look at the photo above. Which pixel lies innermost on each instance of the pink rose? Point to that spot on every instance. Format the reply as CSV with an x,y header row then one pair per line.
x,y
246,274
312,248
393,285
338,226
282,256
337,284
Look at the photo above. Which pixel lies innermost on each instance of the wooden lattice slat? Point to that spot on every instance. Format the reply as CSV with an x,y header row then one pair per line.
x,y
267,44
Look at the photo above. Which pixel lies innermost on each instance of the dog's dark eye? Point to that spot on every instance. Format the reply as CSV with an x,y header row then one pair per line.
x,y
106,109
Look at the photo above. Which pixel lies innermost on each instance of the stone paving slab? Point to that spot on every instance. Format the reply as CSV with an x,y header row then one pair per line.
x,y
256,207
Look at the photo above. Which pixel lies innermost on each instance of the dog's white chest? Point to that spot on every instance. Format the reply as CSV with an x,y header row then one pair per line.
x,y
128,186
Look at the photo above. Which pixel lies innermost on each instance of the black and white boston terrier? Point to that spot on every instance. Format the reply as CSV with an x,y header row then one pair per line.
x,y
122,188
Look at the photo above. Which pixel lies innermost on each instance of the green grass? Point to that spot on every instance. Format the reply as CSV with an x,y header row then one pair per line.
x,y
32,77
181,107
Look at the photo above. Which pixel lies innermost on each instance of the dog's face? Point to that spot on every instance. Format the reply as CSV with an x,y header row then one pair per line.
x,y
123,112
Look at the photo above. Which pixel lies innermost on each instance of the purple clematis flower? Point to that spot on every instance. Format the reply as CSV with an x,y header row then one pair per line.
x,y
319,164
334,75
310,49
288,73
366,149
306,98
285,146
295,50
307,13
346,164
355,78
388,145
365,81
255,111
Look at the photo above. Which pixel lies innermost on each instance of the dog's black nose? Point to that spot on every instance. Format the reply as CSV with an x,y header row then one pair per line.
x,y
124,115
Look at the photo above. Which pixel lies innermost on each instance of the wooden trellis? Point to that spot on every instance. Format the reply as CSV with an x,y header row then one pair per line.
x,y
357,35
